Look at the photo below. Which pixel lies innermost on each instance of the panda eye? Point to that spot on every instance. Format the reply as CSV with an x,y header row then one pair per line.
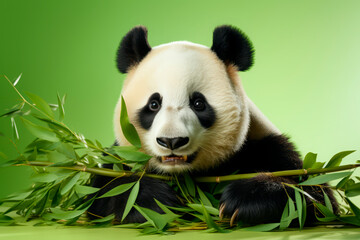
x,y
154,105
199,105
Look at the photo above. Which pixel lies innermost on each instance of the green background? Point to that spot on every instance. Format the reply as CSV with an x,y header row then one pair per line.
x,y
305,77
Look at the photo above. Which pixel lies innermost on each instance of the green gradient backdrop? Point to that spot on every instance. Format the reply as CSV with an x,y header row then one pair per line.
x,y
305,77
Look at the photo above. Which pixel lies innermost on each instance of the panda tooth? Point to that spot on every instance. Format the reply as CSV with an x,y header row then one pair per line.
x,y
163,158
185,158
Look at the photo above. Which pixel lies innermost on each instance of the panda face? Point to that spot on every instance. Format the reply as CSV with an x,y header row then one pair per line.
x,y
188,107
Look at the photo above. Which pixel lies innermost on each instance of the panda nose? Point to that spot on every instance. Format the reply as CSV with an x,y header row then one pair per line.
x,y
172,143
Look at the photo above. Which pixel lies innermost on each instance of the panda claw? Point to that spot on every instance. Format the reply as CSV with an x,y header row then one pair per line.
x,y
221,211
234,217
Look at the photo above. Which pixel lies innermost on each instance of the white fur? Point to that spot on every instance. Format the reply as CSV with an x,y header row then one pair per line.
x,y
175,71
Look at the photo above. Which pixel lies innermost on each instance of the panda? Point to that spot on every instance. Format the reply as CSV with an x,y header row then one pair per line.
x,y
193,116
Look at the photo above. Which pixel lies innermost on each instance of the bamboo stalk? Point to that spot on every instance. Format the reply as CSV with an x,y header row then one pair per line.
x,y
112,173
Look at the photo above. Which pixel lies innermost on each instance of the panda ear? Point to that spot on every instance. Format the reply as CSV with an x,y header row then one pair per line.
x,y
233,47
133,48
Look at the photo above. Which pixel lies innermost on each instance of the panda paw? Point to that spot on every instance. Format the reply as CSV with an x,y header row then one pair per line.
x,y
254,201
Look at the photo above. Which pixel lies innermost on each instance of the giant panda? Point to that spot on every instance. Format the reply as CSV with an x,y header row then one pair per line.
x,y
193,116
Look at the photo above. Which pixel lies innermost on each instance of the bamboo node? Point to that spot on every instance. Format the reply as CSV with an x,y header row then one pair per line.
x,y
217,179
305,171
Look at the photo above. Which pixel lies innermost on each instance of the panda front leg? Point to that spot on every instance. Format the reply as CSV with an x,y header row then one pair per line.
x,y
253,201
150,189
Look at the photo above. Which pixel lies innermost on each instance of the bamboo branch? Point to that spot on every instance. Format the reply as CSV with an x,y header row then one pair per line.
x,y
112,173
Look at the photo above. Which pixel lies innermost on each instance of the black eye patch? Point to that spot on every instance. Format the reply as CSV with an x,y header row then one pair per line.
x,y
147,114
202,109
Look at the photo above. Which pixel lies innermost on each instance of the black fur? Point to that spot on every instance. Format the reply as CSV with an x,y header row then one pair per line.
x,y
206,116
133,48
233,47
146,115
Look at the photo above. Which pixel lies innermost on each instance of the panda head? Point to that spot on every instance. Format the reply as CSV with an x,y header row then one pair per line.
x,y
184,99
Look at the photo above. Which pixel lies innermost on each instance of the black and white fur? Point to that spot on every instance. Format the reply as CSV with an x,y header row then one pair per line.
x,y
186,99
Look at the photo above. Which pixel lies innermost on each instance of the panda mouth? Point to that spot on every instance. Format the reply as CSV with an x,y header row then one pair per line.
x,y
177,159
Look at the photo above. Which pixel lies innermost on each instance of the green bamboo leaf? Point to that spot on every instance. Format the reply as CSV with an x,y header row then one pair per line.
x,y
44,177
39,131
61,108
262,227
304,209
41,104
166,209
33,155
326,212
318,165
210,222
15,130
131,155
10,112
131,200
69,183
354,208
337,158
160,220
327,201
105,219
203,197
118,190
68,150
199,208
309,160
299,207
127,128
63,215
325,178
81,189
343,181
190,185
285,217
352,190
350,220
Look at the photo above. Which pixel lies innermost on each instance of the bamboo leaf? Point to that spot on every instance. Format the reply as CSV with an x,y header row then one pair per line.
x,y
337,158
325,178
40,131
327,201
81,189
64,215
199,208
61,108
354,208
309,160
326,212
210,222
131,200
299,207
69,183
41,104
203,197
118,190
352,190
160,220
44,177
190,185
262,227
350,220
105,219
131,155
127,128
343,181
